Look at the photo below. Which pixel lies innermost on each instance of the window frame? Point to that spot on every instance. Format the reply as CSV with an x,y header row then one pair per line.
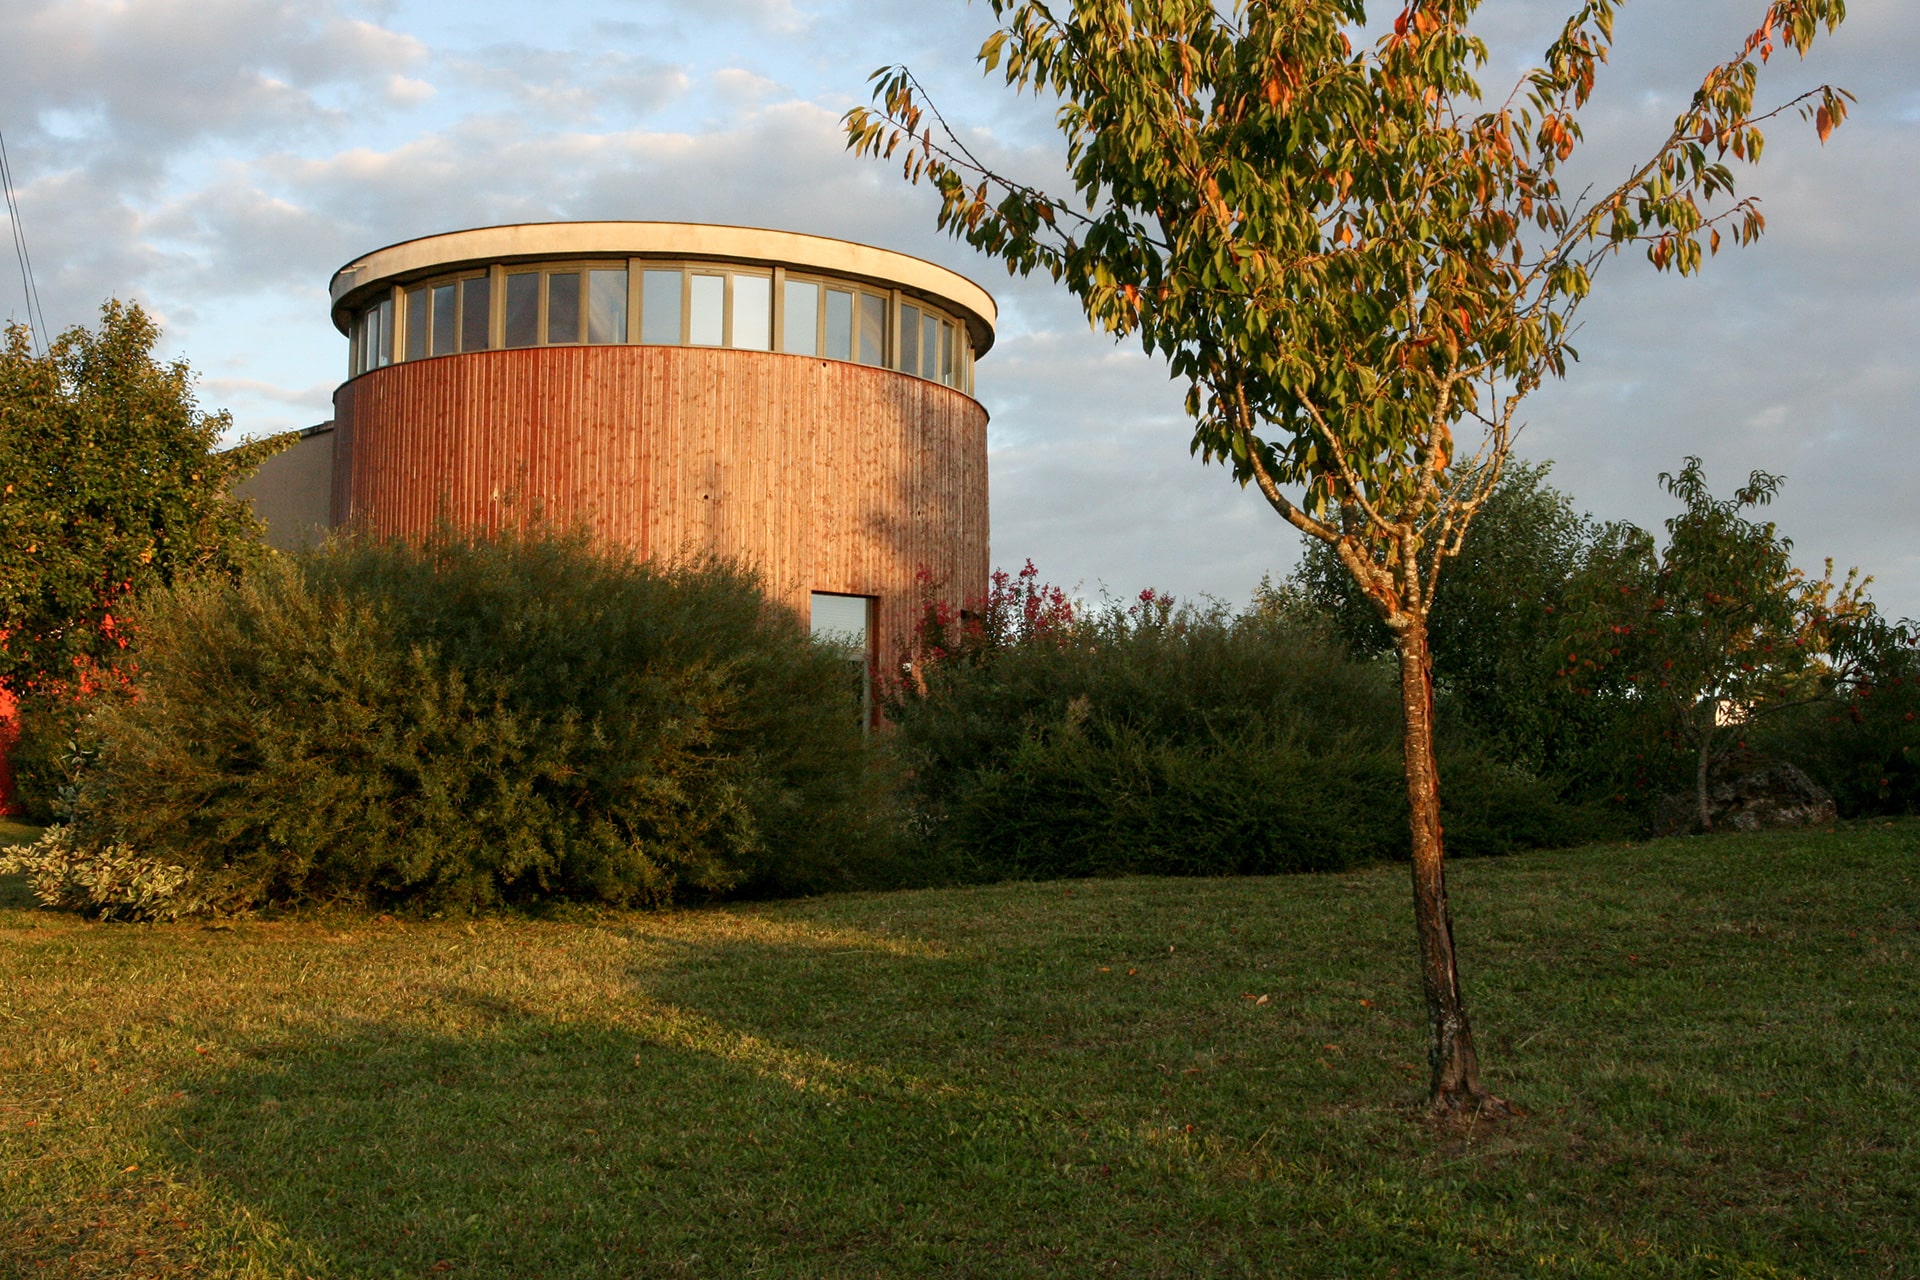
x,y
951,364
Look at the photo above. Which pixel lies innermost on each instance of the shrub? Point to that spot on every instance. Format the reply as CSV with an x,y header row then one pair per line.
x,y
474,721
55,744
1157,739
1861,739
1495,631
111,881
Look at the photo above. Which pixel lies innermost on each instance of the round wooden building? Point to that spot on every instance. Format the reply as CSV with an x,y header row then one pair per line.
x,y
800,403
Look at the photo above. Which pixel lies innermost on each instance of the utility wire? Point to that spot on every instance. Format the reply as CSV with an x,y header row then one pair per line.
x,y
36,315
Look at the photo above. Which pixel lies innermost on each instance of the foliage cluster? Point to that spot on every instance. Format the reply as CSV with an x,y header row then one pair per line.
x,y
1618,667
1861,738
1017,609
476,720
1168,739
1495,628
111,484
1716,629
111,881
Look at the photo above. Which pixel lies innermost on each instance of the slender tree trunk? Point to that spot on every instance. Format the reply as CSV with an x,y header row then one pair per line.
x,y
1455,1084
1703,810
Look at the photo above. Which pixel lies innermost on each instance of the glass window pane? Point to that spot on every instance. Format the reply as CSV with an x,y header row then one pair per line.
x,y
606,306
523,309
929,346
800,327
383,340
753,313
946,354
660,307
417,317
909,339
563,306
840,620
475,312
708,309
354,341
873,329
446,319
839,325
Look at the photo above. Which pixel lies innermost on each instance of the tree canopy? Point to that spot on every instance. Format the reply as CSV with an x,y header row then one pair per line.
x,y
111,482
1716,627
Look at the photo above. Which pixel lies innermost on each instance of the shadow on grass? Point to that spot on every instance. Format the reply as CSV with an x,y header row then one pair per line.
x,y
16,894
1066,1080
861,1117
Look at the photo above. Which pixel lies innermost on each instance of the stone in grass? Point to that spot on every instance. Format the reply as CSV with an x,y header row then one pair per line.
x,y
1749,792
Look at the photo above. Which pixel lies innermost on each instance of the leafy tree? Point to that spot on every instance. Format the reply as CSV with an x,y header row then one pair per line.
x,y
1861,740
1347,253
1496,621
110,483
1717,628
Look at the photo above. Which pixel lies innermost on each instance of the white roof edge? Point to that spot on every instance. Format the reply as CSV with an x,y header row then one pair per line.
x,y
664,240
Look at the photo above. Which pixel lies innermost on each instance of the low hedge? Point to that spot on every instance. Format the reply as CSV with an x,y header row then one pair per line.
x,y
1187,742
472,721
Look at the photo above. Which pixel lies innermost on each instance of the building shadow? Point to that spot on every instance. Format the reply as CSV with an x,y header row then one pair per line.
x,y
770,1105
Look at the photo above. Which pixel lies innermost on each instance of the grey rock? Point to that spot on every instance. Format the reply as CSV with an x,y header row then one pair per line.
x,y
1751,793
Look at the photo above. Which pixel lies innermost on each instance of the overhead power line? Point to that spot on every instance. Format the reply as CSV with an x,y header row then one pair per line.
x,y
36,316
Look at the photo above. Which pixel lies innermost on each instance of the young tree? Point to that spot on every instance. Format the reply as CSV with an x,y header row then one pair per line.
x,y
1717,628
110,482
1348,253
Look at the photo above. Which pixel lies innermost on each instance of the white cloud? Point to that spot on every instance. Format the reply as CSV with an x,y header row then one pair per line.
x,y
567,86
220,159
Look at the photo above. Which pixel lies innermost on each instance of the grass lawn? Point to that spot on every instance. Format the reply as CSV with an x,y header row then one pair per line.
x,y
12,832
1716,1041
13,889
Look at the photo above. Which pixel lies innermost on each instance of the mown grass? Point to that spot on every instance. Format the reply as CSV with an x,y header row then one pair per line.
x,y
13,889
12,832
1715,1041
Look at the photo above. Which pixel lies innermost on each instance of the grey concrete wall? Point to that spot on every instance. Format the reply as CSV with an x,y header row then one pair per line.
x,y
293,491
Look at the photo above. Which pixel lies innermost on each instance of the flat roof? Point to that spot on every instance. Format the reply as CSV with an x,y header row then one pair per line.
x,y
410,260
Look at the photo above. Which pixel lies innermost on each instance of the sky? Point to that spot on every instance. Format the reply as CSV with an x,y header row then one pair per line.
x,y
217,160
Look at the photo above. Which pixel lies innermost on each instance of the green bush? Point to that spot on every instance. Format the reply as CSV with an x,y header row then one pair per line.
x,y
1861,740
110,881
1191,742
476,721
1495,632
52,725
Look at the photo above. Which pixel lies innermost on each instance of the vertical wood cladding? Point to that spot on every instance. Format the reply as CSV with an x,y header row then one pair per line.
x,y
828,476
